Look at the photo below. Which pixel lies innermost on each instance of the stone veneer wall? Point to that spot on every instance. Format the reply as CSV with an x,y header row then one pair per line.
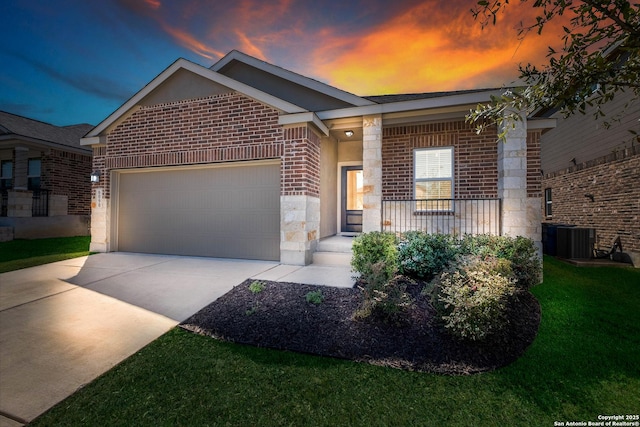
x,y
614,183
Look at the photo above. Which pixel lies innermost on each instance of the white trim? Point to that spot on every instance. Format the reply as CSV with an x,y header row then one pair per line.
x,y
309,117
339,231
541,123
181,63
296,78
419,104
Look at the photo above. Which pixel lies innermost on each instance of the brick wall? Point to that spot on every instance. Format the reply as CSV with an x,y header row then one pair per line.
x,y
614,183
220,128
475,158
67,174
301,162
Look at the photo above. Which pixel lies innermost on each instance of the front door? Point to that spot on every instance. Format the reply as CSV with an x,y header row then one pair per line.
x,y
352,198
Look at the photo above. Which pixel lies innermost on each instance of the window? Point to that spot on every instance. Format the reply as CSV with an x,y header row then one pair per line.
x,y
547,202
33,174
6,174
433,178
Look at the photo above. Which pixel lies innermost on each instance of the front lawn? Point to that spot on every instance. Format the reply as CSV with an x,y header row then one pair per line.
x,y
21,253
584,363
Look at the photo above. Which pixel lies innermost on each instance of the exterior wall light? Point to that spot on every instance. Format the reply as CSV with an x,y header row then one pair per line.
x,y
95,176
349,133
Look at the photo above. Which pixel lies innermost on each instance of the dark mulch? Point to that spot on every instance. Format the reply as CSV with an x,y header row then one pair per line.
x,y
279,317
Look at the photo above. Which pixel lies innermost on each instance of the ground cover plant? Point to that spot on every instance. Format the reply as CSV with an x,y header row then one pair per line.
x,y
583,363
21,253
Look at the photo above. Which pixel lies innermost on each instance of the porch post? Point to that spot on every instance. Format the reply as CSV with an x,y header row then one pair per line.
x,y
300,195
372,173
520,213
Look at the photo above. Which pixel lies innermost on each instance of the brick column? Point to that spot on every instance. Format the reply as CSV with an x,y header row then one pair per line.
x,y
21,168
372,173
300,196
520,214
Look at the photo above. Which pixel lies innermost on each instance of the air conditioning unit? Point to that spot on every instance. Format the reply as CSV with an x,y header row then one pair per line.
x,y
575,243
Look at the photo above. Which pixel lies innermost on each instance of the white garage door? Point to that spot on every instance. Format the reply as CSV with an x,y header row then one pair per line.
x,y
228,211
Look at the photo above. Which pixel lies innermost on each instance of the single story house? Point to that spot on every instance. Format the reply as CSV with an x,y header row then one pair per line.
x,y
591,173
249,160
44,179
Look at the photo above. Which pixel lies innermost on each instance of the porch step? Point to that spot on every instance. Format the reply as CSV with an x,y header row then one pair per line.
x,y
332,258
335,250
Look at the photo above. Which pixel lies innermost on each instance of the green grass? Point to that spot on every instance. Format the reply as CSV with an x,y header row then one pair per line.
x,y
585,362
18,254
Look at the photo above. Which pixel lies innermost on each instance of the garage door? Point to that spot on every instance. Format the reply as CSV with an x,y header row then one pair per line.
x,y
224,211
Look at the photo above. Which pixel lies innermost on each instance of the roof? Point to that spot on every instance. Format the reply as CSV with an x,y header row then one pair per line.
x,y
13,126
385,99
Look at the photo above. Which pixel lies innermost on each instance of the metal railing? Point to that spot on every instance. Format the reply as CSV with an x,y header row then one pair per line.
x,y
40,206
443,216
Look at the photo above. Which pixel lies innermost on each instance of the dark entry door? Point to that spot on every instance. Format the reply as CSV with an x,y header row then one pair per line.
x,y
352,198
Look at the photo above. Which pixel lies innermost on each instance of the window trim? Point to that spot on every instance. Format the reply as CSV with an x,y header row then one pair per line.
x,y
451,179
30,175
3,178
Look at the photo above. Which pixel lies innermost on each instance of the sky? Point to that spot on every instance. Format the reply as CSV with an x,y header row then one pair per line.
x,y
76,61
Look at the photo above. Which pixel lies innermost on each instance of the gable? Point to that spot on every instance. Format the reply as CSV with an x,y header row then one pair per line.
x,y
279,87
183,85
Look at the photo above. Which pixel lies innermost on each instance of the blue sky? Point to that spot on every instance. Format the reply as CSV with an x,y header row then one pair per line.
x,y
76,61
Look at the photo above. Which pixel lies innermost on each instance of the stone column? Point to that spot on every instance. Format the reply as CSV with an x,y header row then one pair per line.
x,y
100,222
520,214
300,195
21,168
372,173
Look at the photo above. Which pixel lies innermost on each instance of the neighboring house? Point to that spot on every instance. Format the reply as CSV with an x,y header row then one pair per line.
x,y
591,173
249,160
44,178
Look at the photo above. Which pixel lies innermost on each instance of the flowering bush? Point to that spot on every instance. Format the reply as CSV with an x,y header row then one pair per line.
x,y
472,297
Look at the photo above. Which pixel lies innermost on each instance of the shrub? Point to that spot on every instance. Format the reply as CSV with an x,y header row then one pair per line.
x,y
423,255
314,297
256,287
471,298
385,296
521,251
374,247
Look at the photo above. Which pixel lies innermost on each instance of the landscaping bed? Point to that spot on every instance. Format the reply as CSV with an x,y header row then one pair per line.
x,y
280,317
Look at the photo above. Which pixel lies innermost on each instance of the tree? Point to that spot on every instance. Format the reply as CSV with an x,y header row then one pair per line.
x,y
599,58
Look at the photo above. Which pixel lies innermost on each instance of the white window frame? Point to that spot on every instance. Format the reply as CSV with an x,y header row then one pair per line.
x,y
30,173
447,207
8,178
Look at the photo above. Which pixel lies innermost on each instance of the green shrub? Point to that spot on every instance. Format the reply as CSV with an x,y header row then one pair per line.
x,y
374,247
314,297
527,266
472,297
384,296
423,255
256,287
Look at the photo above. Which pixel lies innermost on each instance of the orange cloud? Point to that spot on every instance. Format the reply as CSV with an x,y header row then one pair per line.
x,y
153,4
423,50
190,42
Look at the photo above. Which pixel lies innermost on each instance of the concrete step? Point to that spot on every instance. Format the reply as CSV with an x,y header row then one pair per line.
x,y
332,258
335,244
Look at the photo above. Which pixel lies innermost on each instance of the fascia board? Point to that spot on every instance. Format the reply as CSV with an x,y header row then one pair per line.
x,y
292,77
419,104
181,63
533,124
308,117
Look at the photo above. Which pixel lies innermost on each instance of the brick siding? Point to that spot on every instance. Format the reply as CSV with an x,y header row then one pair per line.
x,y
220,128
614,183
475,158
67,174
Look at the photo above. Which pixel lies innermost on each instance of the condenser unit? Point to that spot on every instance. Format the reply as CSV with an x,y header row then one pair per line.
x,y
575,243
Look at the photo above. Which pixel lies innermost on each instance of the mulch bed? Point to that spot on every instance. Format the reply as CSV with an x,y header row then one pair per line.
x,y
279,317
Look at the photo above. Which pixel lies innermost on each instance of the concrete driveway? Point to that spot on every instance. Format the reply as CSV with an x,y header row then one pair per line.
x,y
64,324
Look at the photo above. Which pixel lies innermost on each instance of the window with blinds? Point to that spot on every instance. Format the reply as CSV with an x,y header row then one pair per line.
x,y
433,178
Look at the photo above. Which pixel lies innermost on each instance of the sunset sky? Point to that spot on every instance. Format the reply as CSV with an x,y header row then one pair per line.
x,y
76,61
